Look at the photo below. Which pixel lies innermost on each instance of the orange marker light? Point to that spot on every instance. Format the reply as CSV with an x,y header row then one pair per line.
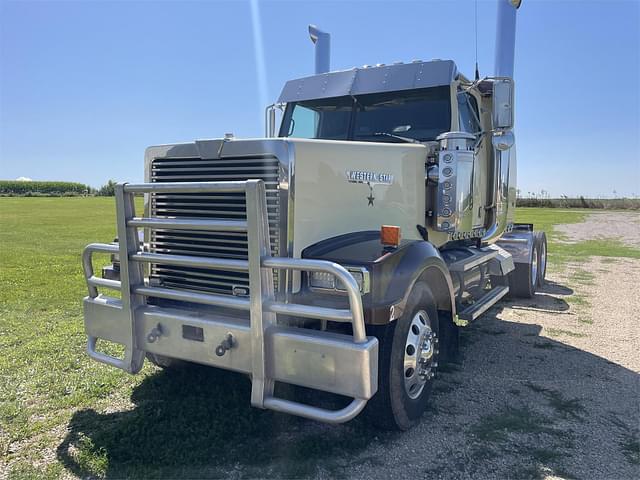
x,y
390,235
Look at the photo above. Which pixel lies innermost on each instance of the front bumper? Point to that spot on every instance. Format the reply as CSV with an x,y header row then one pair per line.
x,y
240,334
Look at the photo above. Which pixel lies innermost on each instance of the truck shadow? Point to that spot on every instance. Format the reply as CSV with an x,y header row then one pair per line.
x,y
197,421
545,300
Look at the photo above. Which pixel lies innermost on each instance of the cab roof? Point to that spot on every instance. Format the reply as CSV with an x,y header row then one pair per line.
x,y
359,81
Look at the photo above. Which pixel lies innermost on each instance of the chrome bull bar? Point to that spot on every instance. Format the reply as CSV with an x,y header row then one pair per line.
x,y
256,344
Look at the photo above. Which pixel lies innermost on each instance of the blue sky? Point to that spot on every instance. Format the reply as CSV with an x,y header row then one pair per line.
x,y
85,86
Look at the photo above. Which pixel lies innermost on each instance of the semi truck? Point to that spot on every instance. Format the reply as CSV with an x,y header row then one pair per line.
x,y
341,253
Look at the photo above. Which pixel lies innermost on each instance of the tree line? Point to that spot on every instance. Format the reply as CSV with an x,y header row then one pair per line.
x,y
18,188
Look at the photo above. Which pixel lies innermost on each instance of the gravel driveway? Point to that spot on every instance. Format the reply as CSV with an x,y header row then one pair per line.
x,y
624,226
547,387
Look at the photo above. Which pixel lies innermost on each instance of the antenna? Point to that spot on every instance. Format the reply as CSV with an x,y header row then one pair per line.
x,y
476,27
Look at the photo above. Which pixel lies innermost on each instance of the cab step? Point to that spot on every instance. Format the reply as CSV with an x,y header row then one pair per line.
x,y
483,304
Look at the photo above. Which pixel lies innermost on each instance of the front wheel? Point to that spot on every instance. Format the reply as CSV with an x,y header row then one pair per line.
x,y
407,362
166,363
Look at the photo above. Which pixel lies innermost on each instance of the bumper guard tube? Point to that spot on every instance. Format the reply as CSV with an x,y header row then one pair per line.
x,y
238,333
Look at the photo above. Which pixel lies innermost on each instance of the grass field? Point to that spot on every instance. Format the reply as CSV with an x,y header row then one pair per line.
x,y
63,414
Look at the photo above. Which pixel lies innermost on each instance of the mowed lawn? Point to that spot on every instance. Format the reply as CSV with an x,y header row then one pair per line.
x,y
62,414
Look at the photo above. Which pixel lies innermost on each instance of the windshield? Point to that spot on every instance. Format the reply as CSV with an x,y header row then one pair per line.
x,y
380,117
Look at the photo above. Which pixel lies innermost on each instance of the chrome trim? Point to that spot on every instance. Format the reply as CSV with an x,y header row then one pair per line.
x,y
292,279
213,149
366,282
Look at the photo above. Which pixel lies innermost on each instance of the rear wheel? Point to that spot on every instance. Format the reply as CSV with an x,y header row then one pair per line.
x,y
407,363
524,279
541,239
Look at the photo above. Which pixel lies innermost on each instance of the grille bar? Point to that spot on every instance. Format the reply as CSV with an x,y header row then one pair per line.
x,y
225,206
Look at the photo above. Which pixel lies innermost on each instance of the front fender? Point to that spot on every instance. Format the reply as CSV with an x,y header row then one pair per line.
x,y
392,272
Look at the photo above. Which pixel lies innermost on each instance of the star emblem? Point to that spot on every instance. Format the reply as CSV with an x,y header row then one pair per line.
x,y
371,198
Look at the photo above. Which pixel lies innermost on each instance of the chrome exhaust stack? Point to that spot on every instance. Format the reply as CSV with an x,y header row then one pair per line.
x,y
322,41
500,211
506,37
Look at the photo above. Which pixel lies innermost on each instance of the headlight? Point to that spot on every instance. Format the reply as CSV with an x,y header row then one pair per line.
x,y
322,280
326,281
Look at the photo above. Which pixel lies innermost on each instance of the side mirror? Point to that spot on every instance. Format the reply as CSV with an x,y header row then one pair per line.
x,y
503,140
503,104
271,122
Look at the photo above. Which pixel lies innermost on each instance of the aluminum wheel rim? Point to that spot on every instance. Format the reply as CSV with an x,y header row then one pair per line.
x,y
419,353
543,261
534,267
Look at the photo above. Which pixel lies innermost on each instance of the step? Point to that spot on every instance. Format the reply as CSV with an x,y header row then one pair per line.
x,y
483,304
466,264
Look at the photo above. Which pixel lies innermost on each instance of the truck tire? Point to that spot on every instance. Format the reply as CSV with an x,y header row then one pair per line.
x,y
541,239
405,382
524,279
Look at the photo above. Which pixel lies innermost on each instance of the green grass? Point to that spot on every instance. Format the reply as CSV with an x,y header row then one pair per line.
x,y
558,332
559,252
92,420
583,277
44,372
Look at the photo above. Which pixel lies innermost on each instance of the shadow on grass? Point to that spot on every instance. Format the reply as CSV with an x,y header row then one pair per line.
x,y
196,421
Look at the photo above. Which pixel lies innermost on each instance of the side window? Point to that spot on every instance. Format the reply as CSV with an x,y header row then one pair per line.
x,y
468,113
304,122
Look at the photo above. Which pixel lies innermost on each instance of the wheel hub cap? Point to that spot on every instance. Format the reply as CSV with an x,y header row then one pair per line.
x,y
419,354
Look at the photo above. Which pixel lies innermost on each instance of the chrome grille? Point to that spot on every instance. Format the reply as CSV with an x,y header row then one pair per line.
x,y
220,206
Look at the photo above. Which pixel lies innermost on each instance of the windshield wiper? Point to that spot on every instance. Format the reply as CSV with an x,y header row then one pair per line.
x,y
404,139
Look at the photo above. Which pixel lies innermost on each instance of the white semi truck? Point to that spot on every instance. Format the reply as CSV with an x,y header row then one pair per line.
x,y
342,252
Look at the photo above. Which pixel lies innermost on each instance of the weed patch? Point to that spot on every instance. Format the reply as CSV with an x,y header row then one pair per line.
x,y
566,408
630,447
578,300
496,427
558,332
583,277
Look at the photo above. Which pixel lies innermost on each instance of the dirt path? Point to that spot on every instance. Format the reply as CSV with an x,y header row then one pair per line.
x,y
623,226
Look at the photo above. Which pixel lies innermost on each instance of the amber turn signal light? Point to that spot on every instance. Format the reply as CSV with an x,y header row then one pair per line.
x,y
390,235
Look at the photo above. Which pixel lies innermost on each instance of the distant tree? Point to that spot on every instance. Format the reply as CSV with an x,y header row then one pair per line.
x,y
108,189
